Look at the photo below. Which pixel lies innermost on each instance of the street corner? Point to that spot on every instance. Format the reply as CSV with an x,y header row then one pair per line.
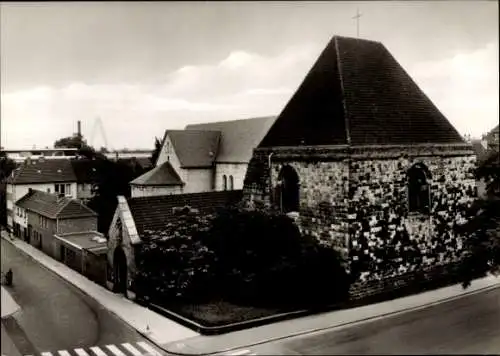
x,y
9,305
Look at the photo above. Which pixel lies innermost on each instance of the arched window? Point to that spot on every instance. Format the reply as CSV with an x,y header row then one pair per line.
x,y
231,183
288,190
224,182
418,188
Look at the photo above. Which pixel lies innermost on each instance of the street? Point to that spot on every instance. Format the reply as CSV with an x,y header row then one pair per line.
x,y
54,315
468,325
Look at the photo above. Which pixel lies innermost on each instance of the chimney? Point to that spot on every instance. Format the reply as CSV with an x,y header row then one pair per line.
x,y
79,132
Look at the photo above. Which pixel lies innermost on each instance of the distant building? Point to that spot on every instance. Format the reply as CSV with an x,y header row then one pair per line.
x,y
491,140
20,156
51,176
47,214
203,158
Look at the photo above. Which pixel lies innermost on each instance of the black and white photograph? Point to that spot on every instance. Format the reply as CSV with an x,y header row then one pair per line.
x,y
249,178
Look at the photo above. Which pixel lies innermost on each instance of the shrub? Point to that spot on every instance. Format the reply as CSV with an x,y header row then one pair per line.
x,y
244,257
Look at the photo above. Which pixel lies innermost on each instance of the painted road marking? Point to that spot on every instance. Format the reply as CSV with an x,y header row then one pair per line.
x,y
132,349
81,352
140,348
115,350
97,350
148,348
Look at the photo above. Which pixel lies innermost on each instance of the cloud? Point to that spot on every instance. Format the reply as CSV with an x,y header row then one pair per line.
x,y
240,85
464,87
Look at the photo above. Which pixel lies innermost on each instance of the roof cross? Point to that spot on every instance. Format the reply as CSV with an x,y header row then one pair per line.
x,y
358,15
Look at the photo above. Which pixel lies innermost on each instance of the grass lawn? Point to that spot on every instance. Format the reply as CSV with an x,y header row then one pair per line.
x,y
221,313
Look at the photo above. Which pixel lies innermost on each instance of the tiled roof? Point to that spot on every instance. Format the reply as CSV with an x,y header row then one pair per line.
x,y
195,149
44,171
152,213
85,170
238,137
52,206
161,175
357,93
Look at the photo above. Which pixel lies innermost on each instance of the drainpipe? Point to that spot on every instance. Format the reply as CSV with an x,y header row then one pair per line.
x,y
271,198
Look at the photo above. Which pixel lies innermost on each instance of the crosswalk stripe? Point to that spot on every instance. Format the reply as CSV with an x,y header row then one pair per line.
x,y
148,348
98,351
132,349
81,352
64,353
115,350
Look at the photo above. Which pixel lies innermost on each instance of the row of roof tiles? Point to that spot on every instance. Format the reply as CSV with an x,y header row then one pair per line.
x,y
55,171
54,206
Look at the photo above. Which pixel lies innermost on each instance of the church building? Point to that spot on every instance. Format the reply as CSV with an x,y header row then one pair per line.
x,y
360,155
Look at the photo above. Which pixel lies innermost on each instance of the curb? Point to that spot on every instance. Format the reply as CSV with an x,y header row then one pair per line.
x,y
143,334
259,322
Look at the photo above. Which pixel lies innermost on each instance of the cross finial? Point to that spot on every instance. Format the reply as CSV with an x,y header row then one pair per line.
x,y
358,15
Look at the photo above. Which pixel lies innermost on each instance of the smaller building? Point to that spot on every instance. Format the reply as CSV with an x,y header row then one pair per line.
x,y
134,216
49,214
51,176
84,252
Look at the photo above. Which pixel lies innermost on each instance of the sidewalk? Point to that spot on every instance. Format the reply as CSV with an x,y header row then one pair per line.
x,y
162,330
9,305
155,327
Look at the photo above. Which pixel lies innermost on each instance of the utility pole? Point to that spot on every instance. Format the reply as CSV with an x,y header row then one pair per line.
x,y
358,15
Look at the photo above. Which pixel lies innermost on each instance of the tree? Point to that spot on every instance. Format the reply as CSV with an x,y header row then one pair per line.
x,y
6,167
482,246
76,141
113,179
156,151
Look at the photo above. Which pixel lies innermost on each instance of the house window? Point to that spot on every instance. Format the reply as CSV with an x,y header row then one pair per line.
x,y
231,183
287,190
48,190
68,189
418,189
224,182
60,189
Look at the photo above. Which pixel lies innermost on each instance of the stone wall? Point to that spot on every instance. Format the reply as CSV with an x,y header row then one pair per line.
x,y
385,239
357,198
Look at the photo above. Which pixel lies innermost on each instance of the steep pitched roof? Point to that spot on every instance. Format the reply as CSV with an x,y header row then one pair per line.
x,y
195,149
164,174
238,137
152,213
43,171
52,206
357,93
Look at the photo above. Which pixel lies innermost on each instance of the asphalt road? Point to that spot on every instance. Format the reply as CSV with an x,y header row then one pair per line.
x,y
54,315
468,325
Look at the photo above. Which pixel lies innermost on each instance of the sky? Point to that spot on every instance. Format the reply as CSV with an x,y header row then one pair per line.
x,y
144,67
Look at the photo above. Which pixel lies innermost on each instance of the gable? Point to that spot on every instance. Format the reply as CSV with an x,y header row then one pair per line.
x,y
358,94
194,149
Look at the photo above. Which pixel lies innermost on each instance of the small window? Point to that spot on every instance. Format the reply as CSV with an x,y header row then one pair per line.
x,y
418,189
68,189
48,190
231,183
224,182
